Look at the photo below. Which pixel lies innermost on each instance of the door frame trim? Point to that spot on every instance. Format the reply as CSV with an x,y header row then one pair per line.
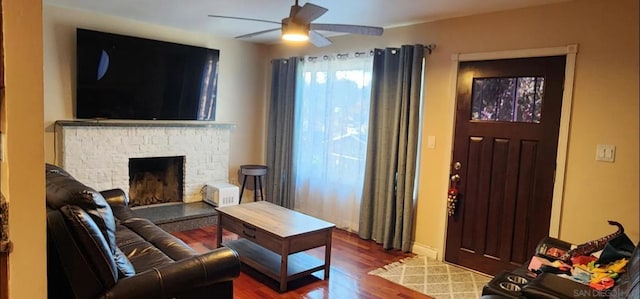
x,y
565,118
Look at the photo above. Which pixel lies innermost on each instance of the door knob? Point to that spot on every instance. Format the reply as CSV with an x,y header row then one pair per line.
x,y
455,178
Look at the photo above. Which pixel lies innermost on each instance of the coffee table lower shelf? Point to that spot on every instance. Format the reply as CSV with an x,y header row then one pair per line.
x,y
269,263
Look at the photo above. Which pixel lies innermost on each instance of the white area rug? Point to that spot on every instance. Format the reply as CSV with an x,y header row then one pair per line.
x,y
434,278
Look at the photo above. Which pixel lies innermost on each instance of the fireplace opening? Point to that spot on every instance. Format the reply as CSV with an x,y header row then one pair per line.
x,y
155,180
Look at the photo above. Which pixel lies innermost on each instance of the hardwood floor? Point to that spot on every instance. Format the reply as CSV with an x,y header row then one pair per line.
x,y
351,259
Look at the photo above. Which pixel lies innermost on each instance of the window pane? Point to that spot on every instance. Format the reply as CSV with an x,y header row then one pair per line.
x,y
515,99
332,117
330,137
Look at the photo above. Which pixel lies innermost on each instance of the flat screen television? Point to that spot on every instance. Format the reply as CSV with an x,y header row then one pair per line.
x,y
125,77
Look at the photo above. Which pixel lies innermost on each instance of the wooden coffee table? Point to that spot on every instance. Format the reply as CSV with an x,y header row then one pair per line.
x,y
273,240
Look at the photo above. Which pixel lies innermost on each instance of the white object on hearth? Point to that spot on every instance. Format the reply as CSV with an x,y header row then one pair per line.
x,y
221,194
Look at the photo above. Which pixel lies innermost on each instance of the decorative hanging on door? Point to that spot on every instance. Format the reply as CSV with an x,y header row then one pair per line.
x,y
452,195
452,200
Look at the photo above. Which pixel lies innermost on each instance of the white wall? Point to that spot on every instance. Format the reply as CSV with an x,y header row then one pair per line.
x,y
23,148
241,77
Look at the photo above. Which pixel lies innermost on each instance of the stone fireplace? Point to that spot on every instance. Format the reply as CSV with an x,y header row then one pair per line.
x,y
98,153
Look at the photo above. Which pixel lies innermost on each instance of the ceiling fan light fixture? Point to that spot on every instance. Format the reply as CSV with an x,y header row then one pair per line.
x,y
294,32
295,37
299,27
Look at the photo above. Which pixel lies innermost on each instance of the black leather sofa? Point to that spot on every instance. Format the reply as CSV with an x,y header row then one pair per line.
x,y
97,249
521,284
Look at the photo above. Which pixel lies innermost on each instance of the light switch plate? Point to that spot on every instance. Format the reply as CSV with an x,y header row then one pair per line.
x,y
605,152
431,142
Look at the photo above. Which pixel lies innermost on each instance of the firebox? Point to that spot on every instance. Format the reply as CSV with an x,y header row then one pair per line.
x,y
155,180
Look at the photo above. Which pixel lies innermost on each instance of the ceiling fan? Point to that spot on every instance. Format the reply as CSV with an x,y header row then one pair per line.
x,y
298,27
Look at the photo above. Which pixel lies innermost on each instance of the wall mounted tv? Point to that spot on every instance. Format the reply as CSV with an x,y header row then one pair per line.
x,y
125,77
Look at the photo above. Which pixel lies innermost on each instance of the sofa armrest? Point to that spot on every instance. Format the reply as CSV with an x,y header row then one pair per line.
x,y
115,197
119,203
167,281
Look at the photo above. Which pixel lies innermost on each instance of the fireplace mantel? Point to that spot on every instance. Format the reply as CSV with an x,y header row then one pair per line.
x,y
97,152
144,123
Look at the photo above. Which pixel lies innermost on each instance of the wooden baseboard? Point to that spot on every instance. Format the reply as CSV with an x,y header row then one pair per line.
x,y
425,250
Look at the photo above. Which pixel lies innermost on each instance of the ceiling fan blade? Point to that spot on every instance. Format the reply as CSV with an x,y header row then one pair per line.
x,y
318,39
245,19
308,13
257,33
355,29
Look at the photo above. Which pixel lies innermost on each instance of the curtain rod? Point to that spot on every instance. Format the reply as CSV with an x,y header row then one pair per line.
x,y
430,48
338,55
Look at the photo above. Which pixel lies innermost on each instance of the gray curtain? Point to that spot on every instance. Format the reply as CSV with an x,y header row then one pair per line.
x,y
280,183
387,207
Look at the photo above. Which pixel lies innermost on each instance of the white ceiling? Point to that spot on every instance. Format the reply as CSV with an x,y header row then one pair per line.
x,y
192,14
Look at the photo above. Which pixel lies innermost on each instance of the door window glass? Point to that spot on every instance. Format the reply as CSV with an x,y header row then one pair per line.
x,y
510,99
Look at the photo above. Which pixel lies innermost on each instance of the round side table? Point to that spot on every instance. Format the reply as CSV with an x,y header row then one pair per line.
x,y
257,172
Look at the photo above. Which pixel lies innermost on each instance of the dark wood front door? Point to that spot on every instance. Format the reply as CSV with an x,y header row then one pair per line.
x,y
505,144
4,256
